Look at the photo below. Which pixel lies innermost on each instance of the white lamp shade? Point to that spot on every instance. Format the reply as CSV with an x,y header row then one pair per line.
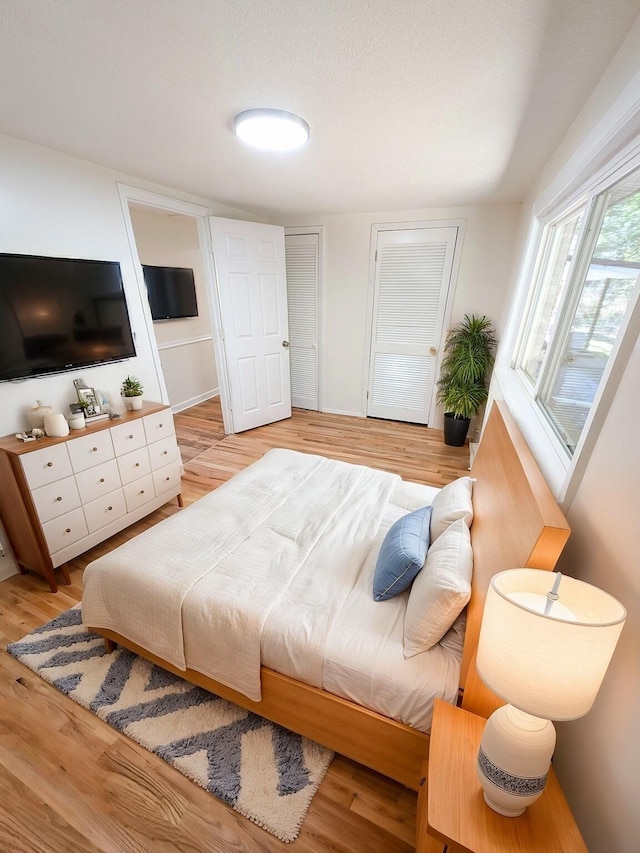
x,y
271,130
549,665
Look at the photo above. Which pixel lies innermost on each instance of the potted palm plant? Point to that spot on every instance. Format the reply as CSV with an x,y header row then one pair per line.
x,y
131,390
464,375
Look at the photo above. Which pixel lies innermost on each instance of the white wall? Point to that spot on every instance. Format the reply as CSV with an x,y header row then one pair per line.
x,y
54,204
186,344
597,756
482,283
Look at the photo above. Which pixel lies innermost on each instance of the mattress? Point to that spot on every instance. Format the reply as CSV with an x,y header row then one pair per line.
x,y
363,658
275,568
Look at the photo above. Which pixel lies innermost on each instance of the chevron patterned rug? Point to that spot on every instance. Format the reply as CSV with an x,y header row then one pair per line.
x,y
266,773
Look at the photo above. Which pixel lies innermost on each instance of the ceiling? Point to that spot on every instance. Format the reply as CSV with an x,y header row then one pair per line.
x,y
412,103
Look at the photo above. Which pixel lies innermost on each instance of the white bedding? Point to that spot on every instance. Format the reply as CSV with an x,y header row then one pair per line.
x,y
363,656
275,567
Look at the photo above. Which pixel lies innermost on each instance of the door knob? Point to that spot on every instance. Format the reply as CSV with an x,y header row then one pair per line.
x,y
433,351
285,344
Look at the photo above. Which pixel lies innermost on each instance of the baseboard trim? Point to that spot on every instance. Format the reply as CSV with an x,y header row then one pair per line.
x,y
200,398
7,572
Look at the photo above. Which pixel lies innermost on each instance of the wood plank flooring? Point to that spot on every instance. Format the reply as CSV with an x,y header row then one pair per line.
x,y
68,782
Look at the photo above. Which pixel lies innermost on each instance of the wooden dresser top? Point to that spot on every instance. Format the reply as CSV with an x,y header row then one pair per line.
x,y
11,444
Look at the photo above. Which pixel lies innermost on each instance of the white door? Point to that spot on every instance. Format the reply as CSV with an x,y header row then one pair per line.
x,y
249,261
412,276
302,297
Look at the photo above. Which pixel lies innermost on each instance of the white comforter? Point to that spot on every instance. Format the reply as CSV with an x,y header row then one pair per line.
x,y
198,589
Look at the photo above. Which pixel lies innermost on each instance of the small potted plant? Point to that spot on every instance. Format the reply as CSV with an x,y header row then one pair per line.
x,y
464,375
131,390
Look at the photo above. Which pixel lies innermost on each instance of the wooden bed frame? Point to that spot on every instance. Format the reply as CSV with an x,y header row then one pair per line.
x,y
517,523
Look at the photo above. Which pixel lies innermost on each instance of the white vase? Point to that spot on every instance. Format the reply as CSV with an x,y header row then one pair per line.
x,y
76,421
36,415
56,425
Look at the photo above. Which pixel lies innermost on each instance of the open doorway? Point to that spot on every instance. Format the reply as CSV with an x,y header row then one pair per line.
x,y
166,235
241,342
169,252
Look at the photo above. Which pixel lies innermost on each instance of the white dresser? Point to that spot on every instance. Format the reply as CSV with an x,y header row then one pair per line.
x,y
61,496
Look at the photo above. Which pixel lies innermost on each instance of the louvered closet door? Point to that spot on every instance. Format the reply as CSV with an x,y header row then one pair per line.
x,y
413,272
302,299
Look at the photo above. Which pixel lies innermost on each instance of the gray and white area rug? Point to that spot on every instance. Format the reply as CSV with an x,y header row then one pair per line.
x,y
266,773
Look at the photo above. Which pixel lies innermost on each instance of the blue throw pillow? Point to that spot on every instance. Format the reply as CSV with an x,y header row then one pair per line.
x,y
402,554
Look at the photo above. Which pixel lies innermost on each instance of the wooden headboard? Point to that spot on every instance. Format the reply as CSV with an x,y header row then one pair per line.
x,y
517,523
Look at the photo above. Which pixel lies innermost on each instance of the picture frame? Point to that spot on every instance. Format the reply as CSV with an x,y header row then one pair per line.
x,y
93,406
104,399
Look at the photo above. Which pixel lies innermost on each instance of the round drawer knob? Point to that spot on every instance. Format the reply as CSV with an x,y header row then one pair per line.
x,y
102,479
167,478
141,492
58,498
109,508
94,449
160,426
164,452
130,436
137,464
68,530
49,464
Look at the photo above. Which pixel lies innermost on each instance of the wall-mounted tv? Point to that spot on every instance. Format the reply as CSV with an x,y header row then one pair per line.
x,y
171,292
58,314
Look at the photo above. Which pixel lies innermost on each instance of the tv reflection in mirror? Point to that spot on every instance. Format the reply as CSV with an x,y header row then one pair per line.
x,y
171,292
58,314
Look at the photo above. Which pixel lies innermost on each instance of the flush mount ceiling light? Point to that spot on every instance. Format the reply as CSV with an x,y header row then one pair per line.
x,y
271,130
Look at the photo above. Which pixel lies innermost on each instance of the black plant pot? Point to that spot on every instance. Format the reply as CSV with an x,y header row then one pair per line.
x,y
455,429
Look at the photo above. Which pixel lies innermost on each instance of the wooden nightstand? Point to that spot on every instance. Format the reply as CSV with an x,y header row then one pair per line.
x,y
452,810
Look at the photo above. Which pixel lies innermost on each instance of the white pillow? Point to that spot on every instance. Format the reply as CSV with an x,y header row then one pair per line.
x,y
452,502
440,591
453,640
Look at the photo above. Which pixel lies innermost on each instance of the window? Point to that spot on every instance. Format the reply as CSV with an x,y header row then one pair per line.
x,y
587,269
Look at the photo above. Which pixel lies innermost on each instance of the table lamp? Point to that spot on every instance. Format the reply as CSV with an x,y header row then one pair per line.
x,y
545,644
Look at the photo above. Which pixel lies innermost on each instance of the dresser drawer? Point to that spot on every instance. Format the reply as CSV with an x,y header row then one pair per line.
x,y
65,530
56,498
105,510
44,466
98,481
134,465
139,492
128,437
159,425
163,452
89,450
166,478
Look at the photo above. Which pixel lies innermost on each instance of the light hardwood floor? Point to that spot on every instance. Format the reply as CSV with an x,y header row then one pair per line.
x,y
68,782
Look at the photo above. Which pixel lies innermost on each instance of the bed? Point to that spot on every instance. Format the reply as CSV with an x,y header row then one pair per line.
x,y
197,594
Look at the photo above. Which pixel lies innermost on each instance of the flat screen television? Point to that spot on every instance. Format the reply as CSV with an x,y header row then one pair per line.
x,y
57,314
171,292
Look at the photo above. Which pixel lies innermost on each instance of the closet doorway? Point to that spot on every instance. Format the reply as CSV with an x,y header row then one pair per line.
x,y
414,269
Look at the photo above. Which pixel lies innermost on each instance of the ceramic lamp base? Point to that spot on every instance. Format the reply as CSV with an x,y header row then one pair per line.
x,y
514,758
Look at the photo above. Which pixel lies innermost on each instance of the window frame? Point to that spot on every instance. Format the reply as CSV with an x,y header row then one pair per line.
x,y
562,470
536,282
